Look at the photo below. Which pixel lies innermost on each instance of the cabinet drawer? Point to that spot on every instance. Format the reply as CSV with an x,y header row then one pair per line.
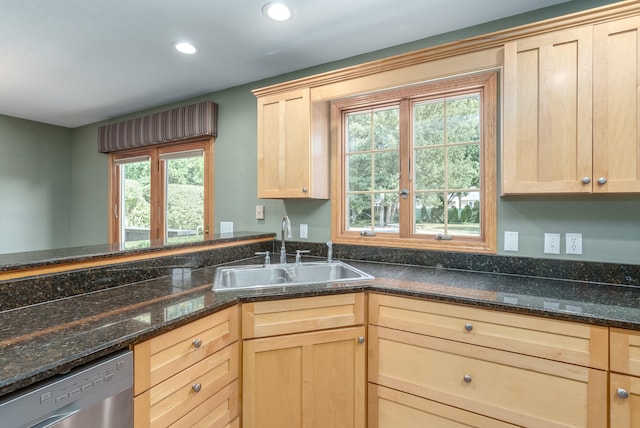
x,y
389,408
570,342
516,388
159,358
277,317
169,401
233,424
625,351
216,412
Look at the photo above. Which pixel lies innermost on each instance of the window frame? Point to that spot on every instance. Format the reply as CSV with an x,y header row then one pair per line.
x,y
157,198
486,83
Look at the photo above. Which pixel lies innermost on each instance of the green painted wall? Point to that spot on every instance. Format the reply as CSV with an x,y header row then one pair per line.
x,y
609,224
35,177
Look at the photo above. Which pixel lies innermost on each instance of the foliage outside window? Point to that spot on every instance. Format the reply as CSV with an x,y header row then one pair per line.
x,y
416,166
161,194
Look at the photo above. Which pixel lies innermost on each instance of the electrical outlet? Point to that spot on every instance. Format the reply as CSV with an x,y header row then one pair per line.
x,y
304,231
510,241
552,243
226,227
573,244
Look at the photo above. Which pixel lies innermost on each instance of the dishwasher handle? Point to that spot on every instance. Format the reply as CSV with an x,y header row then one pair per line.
x,y
54,419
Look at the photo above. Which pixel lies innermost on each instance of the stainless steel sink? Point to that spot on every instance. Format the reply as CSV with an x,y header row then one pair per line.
x,y
278,275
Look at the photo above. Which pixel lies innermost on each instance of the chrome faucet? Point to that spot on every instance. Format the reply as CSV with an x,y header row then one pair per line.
x,y
286,225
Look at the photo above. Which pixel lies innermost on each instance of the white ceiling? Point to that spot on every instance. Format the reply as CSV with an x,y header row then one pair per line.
x,y
74,62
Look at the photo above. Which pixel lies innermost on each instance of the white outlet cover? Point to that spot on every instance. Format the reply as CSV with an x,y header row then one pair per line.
x,y
226,227
552,243
573,243
304,231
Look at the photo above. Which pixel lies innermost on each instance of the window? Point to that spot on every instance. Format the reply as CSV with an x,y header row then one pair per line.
x,y
162,193
415,166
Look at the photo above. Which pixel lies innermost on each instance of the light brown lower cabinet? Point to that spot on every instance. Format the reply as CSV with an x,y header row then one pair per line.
x,y
624,392
312,379
458,377
189,377
624,381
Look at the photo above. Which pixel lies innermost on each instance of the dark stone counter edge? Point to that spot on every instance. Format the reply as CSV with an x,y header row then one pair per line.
x,y
45,258
73,361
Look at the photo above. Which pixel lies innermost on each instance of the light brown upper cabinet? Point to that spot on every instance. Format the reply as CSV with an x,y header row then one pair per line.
x,y
571,111
616,97
548,113
293,146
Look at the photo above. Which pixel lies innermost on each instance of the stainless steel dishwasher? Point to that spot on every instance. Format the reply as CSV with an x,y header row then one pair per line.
x,y
99,394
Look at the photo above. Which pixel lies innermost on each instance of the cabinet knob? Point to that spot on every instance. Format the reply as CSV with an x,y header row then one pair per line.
x,y
196,387
197,343
467,378
468,326
305,190
602,180
622,393
361,339
586,180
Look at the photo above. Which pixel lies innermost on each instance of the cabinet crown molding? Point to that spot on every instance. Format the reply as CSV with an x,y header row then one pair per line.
x,y
468,45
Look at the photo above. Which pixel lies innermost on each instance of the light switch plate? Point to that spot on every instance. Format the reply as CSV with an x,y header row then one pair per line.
x,y
552,243
510,241
259,212
304,231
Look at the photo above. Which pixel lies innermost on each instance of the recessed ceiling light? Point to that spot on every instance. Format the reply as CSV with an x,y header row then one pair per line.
x,y
186,48
277,11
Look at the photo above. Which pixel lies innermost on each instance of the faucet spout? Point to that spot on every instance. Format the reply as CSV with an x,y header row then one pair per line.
x,y
286,227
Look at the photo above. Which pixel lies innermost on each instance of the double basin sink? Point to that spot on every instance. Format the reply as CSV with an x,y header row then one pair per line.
x,y
279,275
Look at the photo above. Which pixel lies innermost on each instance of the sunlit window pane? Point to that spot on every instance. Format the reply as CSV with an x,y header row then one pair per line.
x,y
429,169
429,214
134,207
386,165
386,212
359,132
463,119
359,211
184,212
359,172
373,164
428,126
386,128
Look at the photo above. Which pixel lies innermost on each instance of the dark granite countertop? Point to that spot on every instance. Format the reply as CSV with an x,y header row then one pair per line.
x,y
41,258
46,339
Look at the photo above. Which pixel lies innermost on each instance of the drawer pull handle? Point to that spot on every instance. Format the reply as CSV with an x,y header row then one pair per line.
x,y
361,339
622,393
196,387
468,326
197,343
467,378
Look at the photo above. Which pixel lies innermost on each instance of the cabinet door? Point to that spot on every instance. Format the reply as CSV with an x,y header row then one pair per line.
x,y
616,145
548,113
285,146
305,380
624,393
